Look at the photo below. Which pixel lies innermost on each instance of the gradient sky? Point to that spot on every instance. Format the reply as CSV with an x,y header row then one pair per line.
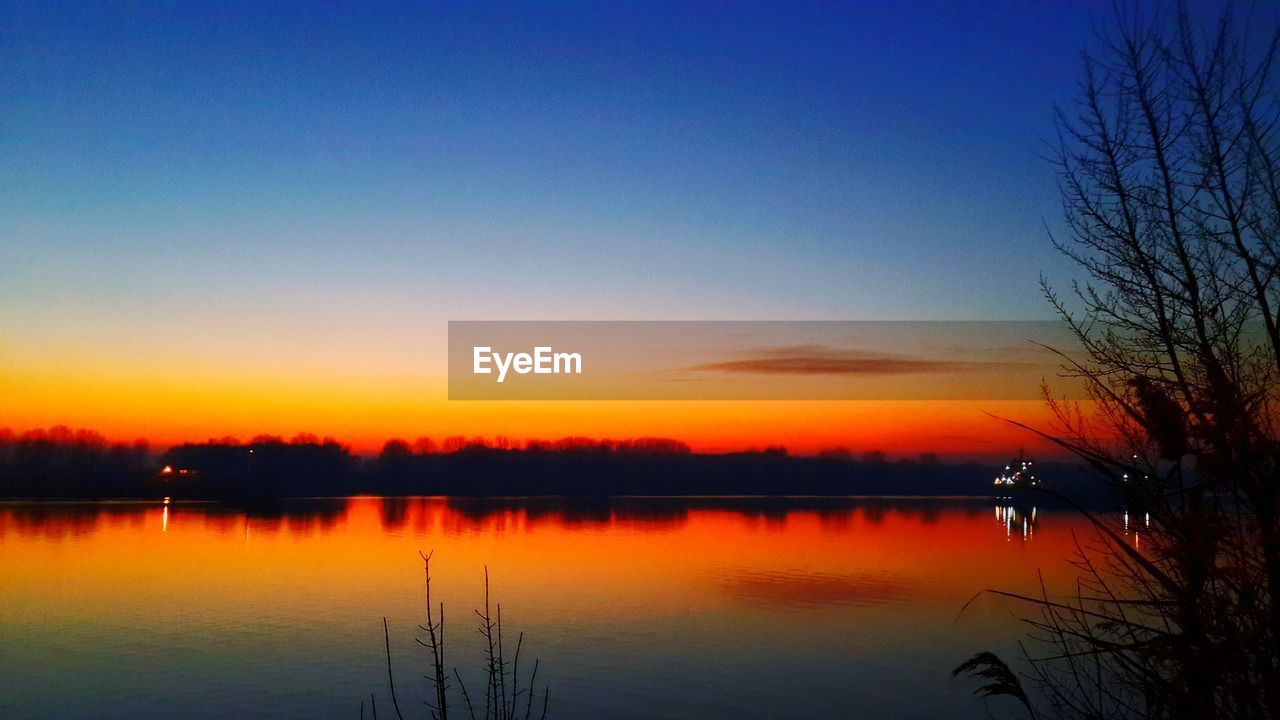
x,y
259,216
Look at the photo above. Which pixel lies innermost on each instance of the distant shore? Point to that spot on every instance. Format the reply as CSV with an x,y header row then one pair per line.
x,y
266,470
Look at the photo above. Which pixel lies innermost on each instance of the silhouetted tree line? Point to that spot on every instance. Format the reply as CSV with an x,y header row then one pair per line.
x,y
587,469
65,463
61,462
266,467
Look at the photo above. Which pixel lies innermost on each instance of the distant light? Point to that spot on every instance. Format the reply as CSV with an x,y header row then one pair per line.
x,y
166,470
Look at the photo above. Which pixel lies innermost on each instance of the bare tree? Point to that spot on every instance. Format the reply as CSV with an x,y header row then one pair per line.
x,y
1169,167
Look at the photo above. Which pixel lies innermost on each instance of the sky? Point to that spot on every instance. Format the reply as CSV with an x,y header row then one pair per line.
x,y
259,217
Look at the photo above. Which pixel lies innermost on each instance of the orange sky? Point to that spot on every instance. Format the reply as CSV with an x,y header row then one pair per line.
x,y
169,391
169,403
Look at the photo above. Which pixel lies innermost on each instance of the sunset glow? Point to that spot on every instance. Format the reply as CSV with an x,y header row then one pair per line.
x,y
858,359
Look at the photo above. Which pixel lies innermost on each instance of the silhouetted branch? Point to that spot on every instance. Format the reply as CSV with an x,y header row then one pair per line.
x,y
501,698
391,679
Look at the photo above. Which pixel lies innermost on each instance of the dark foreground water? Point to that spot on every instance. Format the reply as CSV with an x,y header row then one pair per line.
x,y
638,608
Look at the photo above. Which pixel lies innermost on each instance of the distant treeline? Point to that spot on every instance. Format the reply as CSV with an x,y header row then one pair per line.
x,y
82,464
61,462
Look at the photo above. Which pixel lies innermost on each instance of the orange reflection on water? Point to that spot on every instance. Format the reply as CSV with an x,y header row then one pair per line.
x,y
565,554
279,610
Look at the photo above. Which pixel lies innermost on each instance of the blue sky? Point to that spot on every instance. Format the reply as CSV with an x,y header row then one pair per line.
x,y
647,160
268,183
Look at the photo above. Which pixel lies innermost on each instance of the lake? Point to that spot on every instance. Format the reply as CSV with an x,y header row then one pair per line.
x,y
636,608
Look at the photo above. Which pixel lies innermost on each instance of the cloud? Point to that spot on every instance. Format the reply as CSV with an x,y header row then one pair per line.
x,y
824,360
802,365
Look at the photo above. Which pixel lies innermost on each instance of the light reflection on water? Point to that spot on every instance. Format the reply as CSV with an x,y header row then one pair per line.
x,y
644,608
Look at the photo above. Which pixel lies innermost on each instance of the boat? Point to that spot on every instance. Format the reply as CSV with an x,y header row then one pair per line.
x,y
1018,473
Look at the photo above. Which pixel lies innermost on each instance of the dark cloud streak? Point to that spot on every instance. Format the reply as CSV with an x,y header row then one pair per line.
x,y
823,360
830,366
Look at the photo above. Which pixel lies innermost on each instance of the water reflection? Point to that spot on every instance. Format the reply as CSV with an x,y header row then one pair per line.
x,y
1017,522
800,589
1020,521
71,520
462,515
700,606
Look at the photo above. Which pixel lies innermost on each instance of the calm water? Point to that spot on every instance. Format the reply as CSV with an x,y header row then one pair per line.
x,y
637,608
